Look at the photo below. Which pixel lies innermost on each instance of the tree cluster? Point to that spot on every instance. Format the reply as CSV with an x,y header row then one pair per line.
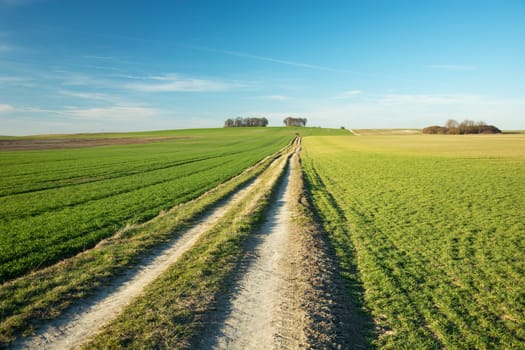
x,y
289,121
452,127
240,122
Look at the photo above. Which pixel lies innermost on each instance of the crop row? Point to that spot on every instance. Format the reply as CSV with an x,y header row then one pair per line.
x,y
49,217
47,293
37,170
438,241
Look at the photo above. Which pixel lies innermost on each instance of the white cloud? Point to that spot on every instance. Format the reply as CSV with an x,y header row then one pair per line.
x,y
16,81
6,108
119,118
120,113
452,67
96,96
176,83
13,79
77,79
348,94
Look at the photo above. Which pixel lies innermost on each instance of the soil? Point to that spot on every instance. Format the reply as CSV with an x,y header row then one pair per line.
x,y
258,313
63,143
288,293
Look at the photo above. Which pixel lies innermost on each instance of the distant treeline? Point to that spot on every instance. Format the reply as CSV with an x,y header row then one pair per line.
x,y
240,122
452,127
289,121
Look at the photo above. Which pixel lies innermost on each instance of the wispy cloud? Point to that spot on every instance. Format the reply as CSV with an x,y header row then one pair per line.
x,y
68,78
121,113
116,112
176,83
273,60
94,96
8,79
452,67
6,108
348,94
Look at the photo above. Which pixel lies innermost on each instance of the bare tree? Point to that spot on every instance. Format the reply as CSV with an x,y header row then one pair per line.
x,y
229,123
451,123
289,121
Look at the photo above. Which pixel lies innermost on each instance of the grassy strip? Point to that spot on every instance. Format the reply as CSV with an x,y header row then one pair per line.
x,y
45,294
172,309
334,307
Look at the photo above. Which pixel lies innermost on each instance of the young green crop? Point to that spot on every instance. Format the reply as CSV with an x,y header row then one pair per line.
x,y
435,226
46,293
56,203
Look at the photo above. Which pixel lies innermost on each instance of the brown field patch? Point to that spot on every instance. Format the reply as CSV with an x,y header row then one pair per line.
x,y
64,143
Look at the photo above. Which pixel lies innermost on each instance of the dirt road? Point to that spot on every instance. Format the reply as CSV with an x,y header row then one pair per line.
x,y
257,316
80,322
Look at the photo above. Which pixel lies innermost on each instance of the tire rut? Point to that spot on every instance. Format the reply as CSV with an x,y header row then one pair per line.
x,y
261,311
82,321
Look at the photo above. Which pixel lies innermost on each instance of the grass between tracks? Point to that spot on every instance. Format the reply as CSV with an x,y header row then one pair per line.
x,y
46,293
172,309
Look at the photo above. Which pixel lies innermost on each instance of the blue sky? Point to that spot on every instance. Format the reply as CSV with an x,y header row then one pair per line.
x,y
124,65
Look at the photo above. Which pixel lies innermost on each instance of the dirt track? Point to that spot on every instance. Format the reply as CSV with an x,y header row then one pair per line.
x,y
82,321
258,316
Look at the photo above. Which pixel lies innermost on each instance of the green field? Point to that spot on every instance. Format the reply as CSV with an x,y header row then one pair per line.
x,y
56,203
429,232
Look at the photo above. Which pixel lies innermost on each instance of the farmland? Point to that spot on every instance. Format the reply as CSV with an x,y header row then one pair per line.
x,y
428,232
137,167
55,203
